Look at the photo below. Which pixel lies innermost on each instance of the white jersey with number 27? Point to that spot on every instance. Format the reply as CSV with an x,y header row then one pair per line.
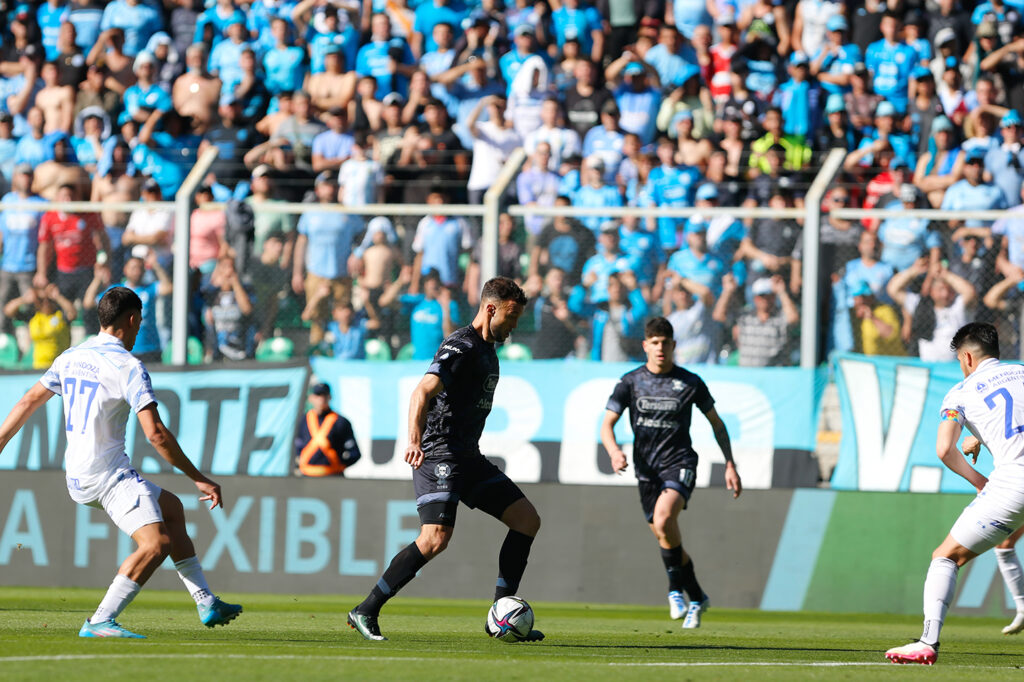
x,y
100,382
990,403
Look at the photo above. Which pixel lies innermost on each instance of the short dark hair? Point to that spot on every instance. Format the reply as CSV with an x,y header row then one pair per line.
x,y
981,335
503,289
117,302
658,326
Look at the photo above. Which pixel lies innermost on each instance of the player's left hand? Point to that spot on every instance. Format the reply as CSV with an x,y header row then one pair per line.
x,y
732,481
972,447
211,493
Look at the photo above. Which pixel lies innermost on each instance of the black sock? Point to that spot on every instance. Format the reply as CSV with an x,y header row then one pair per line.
x,y
401,570
512,563
673,560
690,584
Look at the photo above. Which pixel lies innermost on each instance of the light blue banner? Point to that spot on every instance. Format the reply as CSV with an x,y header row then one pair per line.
x,y
547,414
890,415
228,421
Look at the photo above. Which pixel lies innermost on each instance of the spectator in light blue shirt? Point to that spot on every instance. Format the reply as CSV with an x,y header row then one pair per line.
x,y
670,59
439,60
322,248
688,14
1005,163
608,260
387,59
20,232
694,262
890,62
225,58
835,60
595,193
86,18
438,242
138,20
331,38
524,48
799,99
638,103
35,147
146,97
904,240
50,15
283,64
433,315
973,193
220,16
348,333
606,141
429,13
573,20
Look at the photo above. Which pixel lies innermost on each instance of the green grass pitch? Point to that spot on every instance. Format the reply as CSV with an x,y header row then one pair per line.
x,y
283,637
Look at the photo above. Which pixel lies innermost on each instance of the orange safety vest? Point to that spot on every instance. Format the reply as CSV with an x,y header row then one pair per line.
x,y
318,441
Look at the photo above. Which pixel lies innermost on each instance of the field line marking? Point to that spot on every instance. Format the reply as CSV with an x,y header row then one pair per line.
x,y
433,659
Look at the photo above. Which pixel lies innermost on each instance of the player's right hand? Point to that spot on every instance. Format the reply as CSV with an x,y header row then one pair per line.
x,y
414,456
619,462
211,492
972,447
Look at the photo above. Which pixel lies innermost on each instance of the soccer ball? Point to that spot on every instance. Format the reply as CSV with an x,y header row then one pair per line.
x,y
510,619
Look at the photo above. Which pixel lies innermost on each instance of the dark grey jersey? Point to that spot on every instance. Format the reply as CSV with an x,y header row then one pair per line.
x,y
660,409
468,367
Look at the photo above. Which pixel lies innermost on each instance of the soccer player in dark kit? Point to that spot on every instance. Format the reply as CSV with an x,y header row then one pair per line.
x,y
447,412
660,397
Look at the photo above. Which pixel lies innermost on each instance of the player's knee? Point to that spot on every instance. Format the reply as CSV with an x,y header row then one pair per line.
x,y
434,542
156,548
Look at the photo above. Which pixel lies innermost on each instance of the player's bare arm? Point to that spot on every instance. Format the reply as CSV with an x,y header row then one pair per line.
x,y
164,442
430,385
33,399
732,476
945,448
972,447
618,457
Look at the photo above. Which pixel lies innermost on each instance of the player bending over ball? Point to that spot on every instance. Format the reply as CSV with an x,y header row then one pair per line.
x,y
990,403
447,412
660,397
100,380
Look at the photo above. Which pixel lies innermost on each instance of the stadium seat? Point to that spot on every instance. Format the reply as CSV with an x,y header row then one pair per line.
x,y
8,351
405,352
515,352
377,350
276,349
193,352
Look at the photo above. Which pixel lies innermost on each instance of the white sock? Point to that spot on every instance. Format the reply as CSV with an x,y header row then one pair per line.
x,y
119,595
1013,575
191,573
939,586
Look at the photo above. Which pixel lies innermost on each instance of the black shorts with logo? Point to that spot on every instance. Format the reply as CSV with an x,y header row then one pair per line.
x,y
445,480
680,477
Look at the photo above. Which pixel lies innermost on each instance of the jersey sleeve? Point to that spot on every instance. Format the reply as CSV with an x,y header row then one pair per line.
x,y
138,388
702,397
51,379
621,397
953,407
447,362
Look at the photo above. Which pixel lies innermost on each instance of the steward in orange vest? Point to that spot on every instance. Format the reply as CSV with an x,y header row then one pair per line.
x,y
324,444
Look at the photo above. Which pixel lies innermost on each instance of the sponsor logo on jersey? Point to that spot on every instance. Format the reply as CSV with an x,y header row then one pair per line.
x,y
677,384
980,386
490,383
451,348
657,423
657,404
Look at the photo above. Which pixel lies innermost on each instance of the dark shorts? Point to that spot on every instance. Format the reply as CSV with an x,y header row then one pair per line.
x,y
681,478
443,481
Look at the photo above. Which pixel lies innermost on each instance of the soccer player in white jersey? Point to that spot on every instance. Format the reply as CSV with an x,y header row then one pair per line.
x,y
990,403
100,381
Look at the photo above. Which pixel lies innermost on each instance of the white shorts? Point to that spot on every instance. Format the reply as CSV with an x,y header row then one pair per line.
x,y
131,502
988,520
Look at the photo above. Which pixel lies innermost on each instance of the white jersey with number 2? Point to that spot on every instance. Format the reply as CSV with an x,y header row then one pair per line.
x,y
100,382
990,403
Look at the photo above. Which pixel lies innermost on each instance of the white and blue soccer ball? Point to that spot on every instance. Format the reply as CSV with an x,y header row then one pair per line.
x,y
510,619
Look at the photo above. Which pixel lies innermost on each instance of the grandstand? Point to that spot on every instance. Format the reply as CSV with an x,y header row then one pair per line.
x,y
322,115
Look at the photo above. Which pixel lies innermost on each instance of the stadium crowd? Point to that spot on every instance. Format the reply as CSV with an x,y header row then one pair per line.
x,y
700,103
